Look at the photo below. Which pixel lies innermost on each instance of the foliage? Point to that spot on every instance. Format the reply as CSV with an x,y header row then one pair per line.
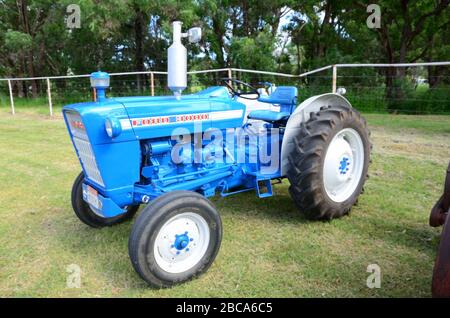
x,y
17,41
280,35
423,100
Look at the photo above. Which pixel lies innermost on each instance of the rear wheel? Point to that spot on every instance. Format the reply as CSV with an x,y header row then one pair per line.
x,y
87,215
328,167
175,238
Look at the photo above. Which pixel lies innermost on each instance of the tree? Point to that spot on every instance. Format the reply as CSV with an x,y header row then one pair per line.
x,y
403,26
294,29
223,20
133,35
23,26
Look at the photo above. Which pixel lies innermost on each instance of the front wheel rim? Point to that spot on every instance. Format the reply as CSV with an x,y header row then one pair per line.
x,y
343,165
181,242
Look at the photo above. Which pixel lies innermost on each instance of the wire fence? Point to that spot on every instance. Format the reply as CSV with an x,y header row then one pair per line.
x,y
419,88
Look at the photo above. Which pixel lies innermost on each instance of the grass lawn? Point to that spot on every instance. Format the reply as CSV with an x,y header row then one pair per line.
x,y
268,248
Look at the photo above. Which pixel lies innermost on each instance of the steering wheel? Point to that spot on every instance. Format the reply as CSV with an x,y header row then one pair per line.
x,y
239,93
267,86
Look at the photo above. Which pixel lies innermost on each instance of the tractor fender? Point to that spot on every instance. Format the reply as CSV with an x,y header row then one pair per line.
x,y
302,114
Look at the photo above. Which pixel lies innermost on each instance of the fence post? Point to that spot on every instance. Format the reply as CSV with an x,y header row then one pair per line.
x,y
152,84
11,97
334,78
49,94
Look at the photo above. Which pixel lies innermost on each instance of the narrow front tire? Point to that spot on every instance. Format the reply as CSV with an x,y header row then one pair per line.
x,y
175,238
88,216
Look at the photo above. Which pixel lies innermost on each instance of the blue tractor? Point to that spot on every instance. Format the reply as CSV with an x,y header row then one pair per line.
x,y
173,152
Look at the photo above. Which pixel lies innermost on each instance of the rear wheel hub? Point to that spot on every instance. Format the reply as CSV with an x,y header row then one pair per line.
x,y
343,165
181,241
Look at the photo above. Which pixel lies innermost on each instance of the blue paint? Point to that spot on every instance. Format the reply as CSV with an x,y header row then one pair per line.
x,y
113,127
181,241
100,81
268,115
133,164
343,165
285,96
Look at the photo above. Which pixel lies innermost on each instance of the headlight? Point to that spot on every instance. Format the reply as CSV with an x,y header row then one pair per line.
x,y
113,127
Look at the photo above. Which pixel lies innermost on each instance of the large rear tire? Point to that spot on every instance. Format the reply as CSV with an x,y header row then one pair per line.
x,y
175,238
328,167
87,215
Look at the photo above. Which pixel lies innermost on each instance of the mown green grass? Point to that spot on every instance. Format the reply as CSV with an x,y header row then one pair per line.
x,y
268,248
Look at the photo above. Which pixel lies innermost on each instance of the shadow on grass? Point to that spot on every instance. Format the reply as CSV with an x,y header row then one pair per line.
x,y
279,207
107,248
418,237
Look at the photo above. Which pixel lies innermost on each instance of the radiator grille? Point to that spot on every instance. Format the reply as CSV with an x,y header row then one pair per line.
x,y
88,159
83,147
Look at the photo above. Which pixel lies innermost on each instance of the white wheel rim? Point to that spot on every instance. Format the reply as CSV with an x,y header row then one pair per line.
x,y
95,211
181,242
343,165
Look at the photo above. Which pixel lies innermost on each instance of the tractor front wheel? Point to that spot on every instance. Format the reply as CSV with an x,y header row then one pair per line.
x,y
175,238
328,167
87,215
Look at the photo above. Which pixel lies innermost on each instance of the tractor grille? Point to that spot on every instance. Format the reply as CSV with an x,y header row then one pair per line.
x,y
88,159
83,147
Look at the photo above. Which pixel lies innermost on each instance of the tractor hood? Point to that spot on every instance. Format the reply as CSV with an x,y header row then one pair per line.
x,y
162,116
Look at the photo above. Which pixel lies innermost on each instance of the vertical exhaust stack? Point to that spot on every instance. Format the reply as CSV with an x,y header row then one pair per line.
x,y
177,62
177,58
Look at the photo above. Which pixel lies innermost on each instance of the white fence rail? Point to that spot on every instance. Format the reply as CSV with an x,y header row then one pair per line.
x,y
151,76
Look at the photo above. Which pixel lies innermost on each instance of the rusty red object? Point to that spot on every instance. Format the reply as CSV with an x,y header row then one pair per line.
x,y
440,209
440,216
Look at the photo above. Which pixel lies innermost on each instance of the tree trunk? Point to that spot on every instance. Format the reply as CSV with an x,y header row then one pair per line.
x,y
23,11
434,75
139,54
434,72
321,43
245,17
297,46
390,72
18,86
389,80
219,36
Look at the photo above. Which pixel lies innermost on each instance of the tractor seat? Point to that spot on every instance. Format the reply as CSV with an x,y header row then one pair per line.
x,y
268,115
285,97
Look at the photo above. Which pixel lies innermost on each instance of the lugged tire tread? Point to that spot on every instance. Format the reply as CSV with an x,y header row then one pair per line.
x,y
304,169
